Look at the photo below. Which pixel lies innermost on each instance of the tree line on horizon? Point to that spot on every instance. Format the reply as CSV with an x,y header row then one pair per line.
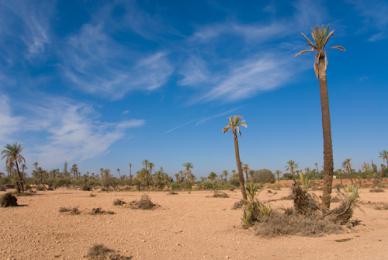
x,y
147,177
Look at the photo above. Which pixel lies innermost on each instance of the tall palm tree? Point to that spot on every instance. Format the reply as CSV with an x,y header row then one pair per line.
x,y
320,37
234,124
347,167
151,166
292,167
384,156
12,154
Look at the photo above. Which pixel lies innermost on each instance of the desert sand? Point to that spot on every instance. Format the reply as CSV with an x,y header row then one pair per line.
x,y
185,226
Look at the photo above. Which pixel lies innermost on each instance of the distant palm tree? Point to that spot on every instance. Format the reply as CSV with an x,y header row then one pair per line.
x,y
292,167
245,168
320,37
188,166
225,175
151,166
146,164
234,124
384,156
277,172
347,168
12,154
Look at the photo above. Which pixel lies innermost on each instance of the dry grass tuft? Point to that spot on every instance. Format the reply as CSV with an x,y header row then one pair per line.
x,y
220,194
92,195
100,211
292,223
144,203
376,189
101,252
381,206
8,200
71,211
171,192
119,202
238,204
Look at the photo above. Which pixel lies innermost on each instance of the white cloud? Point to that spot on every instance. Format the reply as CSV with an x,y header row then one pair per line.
x,y
77,134
31,20
9,124
68,130
98,65
252,76
261,58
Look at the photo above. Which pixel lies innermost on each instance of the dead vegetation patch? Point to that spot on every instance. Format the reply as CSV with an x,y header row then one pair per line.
x,y
144,203
101,252
380,206
100,211
69,210
238,204
220,194
119,202
376,189
306,218
171,192
8,200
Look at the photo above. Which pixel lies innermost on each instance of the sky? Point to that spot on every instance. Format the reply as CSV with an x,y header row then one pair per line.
x,y
105,83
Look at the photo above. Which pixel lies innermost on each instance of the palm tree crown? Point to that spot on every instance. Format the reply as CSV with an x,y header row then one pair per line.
x,y
320,37
234,124
12,154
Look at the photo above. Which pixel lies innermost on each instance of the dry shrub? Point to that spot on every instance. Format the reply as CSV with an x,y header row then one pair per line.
x,y
381,206
86,187
238,204
40,188
274,186
8,200
92,195
144,203
3,188
71,211
304,202
220,194
171,192
306,218
376,189
292,223
119,202
100,211
101,252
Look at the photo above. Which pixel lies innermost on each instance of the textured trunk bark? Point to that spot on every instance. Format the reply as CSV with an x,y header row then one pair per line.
x,y
239,168
327,143
20,182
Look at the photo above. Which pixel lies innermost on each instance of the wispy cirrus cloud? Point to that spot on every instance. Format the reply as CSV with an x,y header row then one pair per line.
x,y
374,13
260,59
94,62
203,120
9,123
32,20
77,135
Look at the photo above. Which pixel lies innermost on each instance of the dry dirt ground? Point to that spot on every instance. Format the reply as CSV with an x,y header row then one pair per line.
x,y
186,226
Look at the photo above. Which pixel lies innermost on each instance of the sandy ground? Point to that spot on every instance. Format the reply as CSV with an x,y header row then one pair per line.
x,y
186,226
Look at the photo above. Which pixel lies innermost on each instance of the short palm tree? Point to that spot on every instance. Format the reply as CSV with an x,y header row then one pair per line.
x,y
320,37
12,154
384,156
234,125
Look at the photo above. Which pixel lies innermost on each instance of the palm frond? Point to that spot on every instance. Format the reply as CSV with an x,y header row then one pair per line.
x,y
303,52
309,42
328,38
338,47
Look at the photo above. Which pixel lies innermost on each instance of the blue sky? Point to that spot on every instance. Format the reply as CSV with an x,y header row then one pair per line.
x,y
104,83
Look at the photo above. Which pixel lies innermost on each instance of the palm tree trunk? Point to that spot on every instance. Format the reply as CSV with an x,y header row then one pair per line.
x,y
239,168
20,179
327,144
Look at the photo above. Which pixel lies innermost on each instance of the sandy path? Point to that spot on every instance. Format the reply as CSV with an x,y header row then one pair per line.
x,y
187,226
